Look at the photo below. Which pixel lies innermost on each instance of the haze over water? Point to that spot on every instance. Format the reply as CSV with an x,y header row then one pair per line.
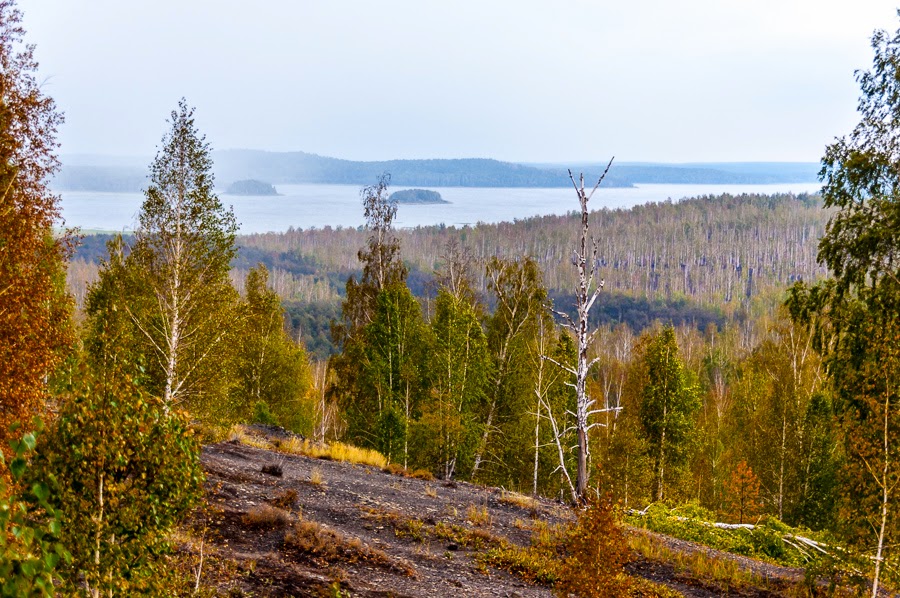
x,y
308,206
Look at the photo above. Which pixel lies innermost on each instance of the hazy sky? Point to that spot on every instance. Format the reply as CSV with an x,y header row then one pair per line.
x,y
554,81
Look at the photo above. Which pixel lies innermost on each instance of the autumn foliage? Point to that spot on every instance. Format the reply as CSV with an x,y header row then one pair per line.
x,y
34,306
742,493
596,553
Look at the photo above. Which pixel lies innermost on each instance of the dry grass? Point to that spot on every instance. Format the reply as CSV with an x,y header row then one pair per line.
x,y
519,500
418,474
239,434
320,543
336,451
315,477
286,499
266,516
478,516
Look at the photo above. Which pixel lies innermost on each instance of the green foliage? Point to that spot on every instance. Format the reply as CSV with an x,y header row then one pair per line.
x,y
124,469
393,372
448,430
670,401
273,374
521,303
185,306
30,526
262,414
694,523
856,314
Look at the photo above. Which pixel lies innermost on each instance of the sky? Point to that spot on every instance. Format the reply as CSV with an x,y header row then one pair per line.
x,y
523,80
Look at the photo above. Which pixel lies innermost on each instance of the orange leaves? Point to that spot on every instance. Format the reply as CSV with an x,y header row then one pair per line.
x,y
742,493
34,306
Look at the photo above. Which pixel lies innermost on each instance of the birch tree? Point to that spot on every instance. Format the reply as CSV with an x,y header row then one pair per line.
x,y
855,313
460,366
271,369
521,298
585,261
181,301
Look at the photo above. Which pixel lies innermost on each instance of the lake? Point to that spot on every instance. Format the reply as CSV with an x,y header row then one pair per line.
x,y
308,206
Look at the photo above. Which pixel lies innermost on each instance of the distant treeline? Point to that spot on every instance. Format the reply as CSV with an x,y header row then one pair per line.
x,y
698,261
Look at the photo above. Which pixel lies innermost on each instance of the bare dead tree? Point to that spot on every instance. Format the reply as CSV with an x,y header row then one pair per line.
x,y
585,260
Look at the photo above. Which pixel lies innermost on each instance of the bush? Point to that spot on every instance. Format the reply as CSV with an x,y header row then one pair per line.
x,y
263,415
29,527
125,470
596,553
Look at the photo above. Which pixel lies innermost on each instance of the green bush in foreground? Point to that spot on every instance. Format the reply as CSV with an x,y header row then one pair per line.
x,y
126,470
29,527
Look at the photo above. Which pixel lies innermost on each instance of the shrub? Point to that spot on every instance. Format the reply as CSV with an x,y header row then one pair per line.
x,y
124,472
29,527
286,499
263,415
266,516
596,553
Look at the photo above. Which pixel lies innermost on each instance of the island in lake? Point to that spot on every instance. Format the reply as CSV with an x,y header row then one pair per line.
x,y
250,187
417,196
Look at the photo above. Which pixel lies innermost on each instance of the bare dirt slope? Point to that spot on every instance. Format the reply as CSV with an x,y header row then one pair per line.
x,y
344,529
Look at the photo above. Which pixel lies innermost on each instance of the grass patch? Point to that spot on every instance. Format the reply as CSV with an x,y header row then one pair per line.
x,y
329,547
266,516
725,574
478,516
519,500
531,564
239,434
315,477
335,451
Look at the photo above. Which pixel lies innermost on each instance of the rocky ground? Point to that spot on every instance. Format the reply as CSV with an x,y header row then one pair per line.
x,y
314,527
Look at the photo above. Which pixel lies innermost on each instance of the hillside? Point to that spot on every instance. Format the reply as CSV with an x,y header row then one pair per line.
x,y
321,525
109,173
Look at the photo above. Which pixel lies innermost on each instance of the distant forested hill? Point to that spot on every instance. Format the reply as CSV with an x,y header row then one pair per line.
x,y
707,173
96,173
300,167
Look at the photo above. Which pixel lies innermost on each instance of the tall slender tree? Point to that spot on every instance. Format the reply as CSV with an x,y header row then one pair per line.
x,y
584,259
362,387
521,299
857,312
272,370
669,403
185,308
460,366
34,305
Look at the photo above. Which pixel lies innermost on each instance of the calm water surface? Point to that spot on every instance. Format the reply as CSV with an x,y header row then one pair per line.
x,y
308,206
